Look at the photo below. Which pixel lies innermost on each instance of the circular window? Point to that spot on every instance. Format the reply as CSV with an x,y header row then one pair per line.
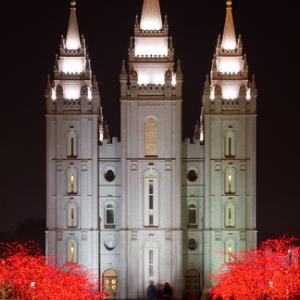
x,y
110,242
192,244
192,175
110,175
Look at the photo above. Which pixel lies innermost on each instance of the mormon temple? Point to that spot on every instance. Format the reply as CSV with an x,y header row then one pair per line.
x,y
150,205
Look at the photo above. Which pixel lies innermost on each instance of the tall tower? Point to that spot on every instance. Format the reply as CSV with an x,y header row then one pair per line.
x,y
151,101
72,121
229,103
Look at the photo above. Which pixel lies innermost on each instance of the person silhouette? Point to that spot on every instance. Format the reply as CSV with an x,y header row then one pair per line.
x,y
152,291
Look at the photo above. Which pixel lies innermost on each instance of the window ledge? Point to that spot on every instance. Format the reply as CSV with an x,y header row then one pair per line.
x,y
110,226
192,226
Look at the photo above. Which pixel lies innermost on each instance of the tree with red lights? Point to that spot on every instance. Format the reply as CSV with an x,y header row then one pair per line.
x,y
24,274
270,272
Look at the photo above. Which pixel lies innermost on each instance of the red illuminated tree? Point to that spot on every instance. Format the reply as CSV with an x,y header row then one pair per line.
x,y
24,274
269,272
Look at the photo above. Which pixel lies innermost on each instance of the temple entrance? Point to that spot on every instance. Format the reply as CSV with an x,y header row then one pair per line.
x,y
110,282
192,283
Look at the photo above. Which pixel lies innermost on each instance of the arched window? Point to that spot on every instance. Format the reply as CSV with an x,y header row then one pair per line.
x,y
72,251
192,216
72,181
72,216
230,216
150,137
230,144
109,215
192,282
230,182
230,251
72,144
151,214
110,282
151,263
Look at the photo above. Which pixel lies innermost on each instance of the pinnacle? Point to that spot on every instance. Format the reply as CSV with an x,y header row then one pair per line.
x,y
151,15
229,37
73,37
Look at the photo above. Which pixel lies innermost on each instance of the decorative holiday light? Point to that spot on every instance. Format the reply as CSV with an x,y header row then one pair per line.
x,y
24,274
269,272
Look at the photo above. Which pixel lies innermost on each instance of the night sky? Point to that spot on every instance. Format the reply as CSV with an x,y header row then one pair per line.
x,y
30,35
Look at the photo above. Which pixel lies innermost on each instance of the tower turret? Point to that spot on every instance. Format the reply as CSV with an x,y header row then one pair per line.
x,y
230,153
73,109
151,101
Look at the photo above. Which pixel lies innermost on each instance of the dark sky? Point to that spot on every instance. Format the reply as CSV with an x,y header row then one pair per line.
x,y
30,34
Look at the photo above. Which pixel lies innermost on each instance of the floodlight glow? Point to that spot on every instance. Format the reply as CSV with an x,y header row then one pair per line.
x,y
229,44
53,94
151,76
72,44
212,94
230,92
151,23
72,65
174,80
248,97
90,93
71,92
229,65
201,136
147,46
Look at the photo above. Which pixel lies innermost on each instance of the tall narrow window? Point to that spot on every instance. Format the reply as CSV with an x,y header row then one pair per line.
x,y
109,215
72,216
229,251
151,263
150,137
192,216
151,200
72,251
230,216
72,144
230,144
230,182
72,181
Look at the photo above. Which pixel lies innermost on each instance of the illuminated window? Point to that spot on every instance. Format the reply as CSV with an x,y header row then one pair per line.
x,y
229,251
192,216
110,282
72,216
72,181
150,137
109,215
72,144
230,144
151,200
230,216
230,182
72,251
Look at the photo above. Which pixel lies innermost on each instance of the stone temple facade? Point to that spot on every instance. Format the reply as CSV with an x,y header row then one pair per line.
x,y
150,206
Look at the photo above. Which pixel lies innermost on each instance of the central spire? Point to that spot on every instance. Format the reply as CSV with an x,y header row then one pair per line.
x,y
151,16
229,37
73,37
